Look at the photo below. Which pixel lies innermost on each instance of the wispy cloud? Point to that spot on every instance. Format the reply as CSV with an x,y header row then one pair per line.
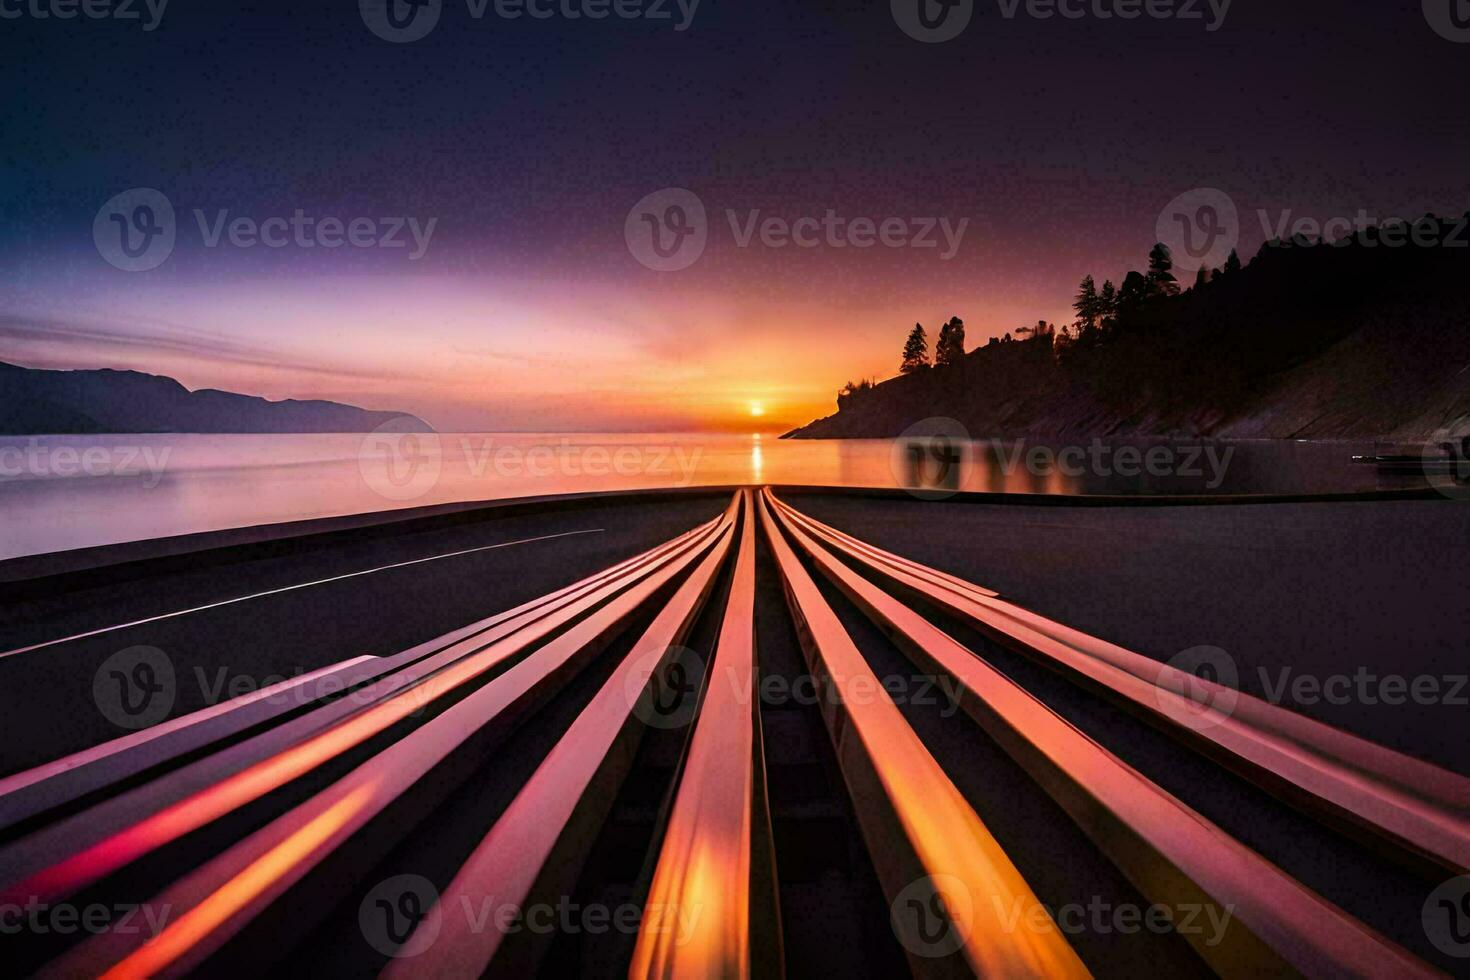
x,y
78,344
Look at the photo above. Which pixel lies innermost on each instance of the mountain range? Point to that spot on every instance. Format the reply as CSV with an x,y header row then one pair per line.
x,y
43,402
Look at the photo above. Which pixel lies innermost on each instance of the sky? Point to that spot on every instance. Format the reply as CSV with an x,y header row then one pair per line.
x,y
504,176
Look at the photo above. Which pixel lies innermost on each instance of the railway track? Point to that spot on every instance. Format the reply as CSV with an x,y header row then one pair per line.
x,y
763,747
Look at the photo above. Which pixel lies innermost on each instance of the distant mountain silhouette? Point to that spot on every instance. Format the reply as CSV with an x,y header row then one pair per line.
x,y
36,402
1357,339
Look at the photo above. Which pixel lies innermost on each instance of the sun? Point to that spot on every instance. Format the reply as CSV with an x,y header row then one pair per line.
x,y
757,410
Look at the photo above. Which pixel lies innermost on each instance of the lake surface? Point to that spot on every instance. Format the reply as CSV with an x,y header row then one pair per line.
x,y
64,492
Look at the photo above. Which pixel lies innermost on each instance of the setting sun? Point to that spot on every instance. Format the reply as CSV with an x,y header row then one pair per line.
x,y
757,409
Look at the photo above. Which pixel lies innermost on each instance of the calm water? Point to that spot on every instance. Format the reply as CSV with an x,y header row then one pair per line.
x,y
62,492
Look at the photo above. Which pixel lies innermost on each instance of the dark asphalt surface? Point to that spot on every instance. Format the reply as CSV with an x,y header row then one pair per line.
x,y
1315,590
47,705
1323,589
1319,588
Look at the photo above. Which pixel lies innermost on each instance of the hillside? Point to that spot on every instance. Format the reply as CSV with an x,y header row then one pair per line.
x,y
1310,340
36,402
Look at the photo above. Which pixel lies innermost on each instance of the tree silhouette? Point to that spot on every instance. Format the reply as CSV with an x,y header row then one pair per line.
x,y
1131,298
915,351
850,393
1201,277
1086,303
1232,264
1107,305
1161,281
950,348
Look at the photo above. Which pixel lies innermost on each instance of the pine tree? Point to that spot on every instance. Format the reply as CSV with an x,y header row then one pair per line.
x,y
1107,304
1201,277
1086,303
950,348
1232,264
915,351
1161,281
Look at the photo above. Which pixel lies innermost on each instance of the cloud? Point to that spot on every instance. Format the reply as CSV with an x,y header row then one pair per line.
x,y
76,344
